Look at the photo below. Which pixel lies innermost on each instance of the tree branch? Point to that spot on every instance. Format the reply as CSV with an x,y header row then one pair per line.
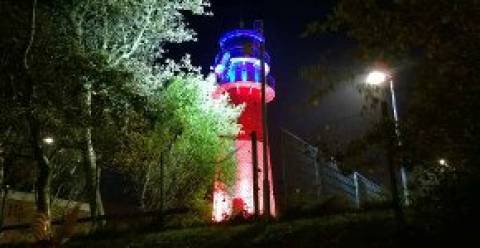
x,y
138,39
32,35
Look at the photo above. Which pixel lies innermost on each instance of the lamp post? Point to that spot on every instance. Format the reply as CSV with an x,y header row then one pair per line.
x,y
378,78
266,182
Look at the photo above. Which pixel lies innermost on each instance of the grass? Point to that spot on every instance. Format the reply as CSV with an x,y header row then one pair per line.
x,y
341,230
353,230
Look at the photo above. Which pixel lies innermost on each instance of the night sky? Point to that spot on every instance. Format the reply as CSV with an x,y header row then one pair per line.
x,y
284,23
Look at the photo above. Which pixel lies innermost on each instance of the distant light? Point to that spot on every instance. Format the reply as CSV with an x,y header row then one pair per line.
x,y
442,161
48,140
376,78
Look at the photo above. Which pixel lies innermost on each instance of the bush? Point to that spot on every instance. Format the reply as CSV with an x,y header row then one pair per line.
x,y
445,199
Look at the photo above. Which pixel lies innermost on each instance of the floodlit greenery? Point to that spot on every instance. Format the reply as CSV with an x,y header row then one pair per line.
x,y
94,76
190,143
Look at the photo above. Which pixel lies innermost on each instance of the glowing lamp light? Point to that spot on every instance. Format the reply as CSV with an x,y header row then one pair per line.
x,y
442,161
48,140
376,77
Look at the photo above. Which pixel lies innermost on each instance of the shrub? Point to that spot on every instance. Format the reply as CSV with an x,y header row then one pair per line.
x,y
445,199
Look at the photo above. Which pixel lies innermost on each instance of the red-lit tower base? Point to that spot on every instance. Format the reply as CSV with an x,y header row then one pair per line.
x,y
238,75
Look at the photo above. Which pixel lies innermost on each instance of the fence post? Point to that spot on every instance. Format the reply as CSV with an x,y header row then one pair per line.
x,y
317,176
406,194
283,151
255,173
357,189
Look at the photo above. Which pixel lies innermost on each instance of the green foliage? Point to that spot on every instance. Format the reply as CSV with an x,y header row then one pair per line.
x,y
445,198
159,123
128,29
187,140
54,101
147,110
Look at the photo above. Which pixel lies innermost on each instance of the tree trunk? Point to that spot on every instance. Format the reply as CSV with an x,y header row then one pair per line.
x,y
43,164
162,184
143,196
44,172
3,191
6,161
92,172
160,216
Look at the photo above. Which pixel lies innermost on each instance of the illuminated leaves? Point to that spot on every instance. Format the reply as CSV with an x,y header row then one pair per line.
x,y
131,29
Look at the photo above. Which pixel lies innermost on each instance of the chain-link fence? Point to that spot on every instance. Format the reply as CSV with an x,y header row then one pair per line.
x,y
308,179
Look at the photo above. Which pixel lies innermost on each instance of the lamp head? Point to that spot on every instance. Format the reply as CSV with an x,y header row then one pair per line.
x,y
376,77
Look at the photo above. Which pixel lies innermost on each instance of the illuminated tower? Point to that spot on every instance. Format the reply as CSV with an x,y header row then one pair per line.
x,y
238,71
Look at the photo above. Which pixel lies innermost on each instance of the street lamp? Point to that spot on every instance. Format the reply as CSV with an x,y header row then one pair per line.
x,y
442,161
377,78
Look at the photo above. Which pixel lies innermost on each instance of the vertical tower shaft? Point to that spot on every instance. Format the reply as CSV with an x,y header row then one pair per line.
x,y
239,70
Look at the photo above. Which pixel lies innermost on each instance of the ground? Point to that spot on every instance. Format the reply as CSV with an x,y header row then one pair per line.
x,y
332,231
352,230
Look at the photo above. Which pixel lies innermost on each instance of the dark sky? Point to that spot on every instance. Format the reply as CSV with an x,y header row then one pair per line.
x,y
284,22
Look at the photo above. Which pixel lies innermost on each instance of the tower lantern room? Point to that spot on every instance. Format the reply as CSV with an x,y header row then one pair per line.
x,y
238,61
238,71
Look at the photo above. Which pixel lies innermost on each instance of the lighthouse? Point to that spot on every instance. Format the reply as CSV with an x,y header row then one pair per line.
x,y
238,69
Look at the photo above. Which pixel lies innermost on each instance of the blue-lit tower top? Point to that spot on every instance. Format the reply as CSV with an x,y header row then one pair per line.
x,y
238,61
